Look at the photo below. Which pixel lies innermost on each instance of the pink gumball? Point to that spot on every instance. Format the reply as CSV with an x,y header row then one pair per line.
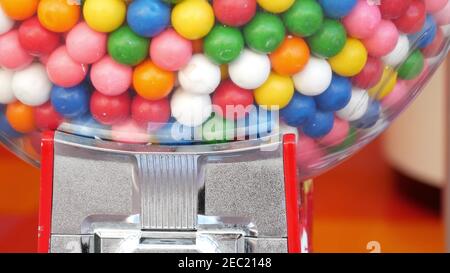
x,y
170,51
383,40
85,45
308,152
396,96
111,78
442,17
337,135
12,54
363,20
435,5
129,132
63,70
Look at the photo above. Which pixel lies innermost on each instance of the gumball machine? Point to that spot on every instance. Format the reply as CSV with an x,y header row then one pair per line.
x,y
194,125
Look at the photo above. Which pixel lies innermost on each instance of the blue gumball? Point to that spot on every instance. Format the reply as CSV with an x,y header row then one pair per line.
x,y
6,129
337,95
299,110
148,18
337,9
71,102
174,133
319,125
426,36
370,118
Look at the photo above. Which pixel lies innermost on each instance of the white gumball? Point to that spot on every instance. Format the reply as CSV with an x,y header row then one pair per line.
x,y
190,109
250,70
315,78
357,107
399,54
31,86
446,30
6,23
200,75
6,92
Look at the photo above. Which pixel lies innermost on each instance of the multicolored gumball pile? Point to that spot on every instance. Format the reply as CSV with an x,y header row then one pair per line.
x,y
335,70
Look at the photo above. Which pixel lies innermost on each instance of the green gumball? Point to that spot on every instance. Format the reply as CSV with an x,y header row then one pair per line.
x,y
126,47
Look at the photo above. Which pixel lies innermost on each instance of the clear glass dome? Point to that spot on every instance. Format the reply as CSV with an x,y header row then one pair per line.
x,y
197,72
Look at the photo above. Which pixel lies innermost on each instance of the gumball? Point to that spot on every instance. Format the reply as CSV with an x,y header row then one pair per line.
x,y
278,6
6,128
250,70
223,44
351,60
383,39
200,75
412,67
319,125
129,132
399,94
19,9
442,17
190,109
46,117
152,82
370,118
308,153
362,21
329,40
337,95
85,45
264,33
235,13
110,110
338,133
304,18
370,75
126,47
413,19
276,92
86,126
426,36
20,117
232,101
259,123
6,23
36,39
148,18
6,91
58,15
385,85
435,5
31,85
400,52
291,57
104,15
170,51
299,110
315,78
393,9
150,114
436,46
71,102
217,130
63,70
357,107
12,54
111,78
337,9
193,19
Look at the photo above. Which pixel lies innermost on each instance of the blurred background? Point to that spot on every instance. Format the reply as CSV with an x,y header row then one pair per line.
x,y
387,198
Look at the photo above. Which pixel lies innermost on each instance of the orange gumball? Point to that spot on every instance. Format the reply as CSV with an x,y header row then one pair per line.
x,y
152,82
20,117
19,9
58,15
291,57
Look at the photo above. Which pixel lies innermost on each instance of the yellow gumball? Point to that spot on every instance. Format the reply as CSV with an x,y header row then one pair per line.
x,y
104,15
276,6
385,86
351,60
276,92
193,19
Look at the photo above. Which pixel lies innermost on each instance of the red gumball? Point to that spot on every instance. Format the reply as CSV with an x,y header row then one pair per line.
x,y
36,39
232,100
370,75
110,110
436,46
151,115
46,118
413,19
393,9
234,13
